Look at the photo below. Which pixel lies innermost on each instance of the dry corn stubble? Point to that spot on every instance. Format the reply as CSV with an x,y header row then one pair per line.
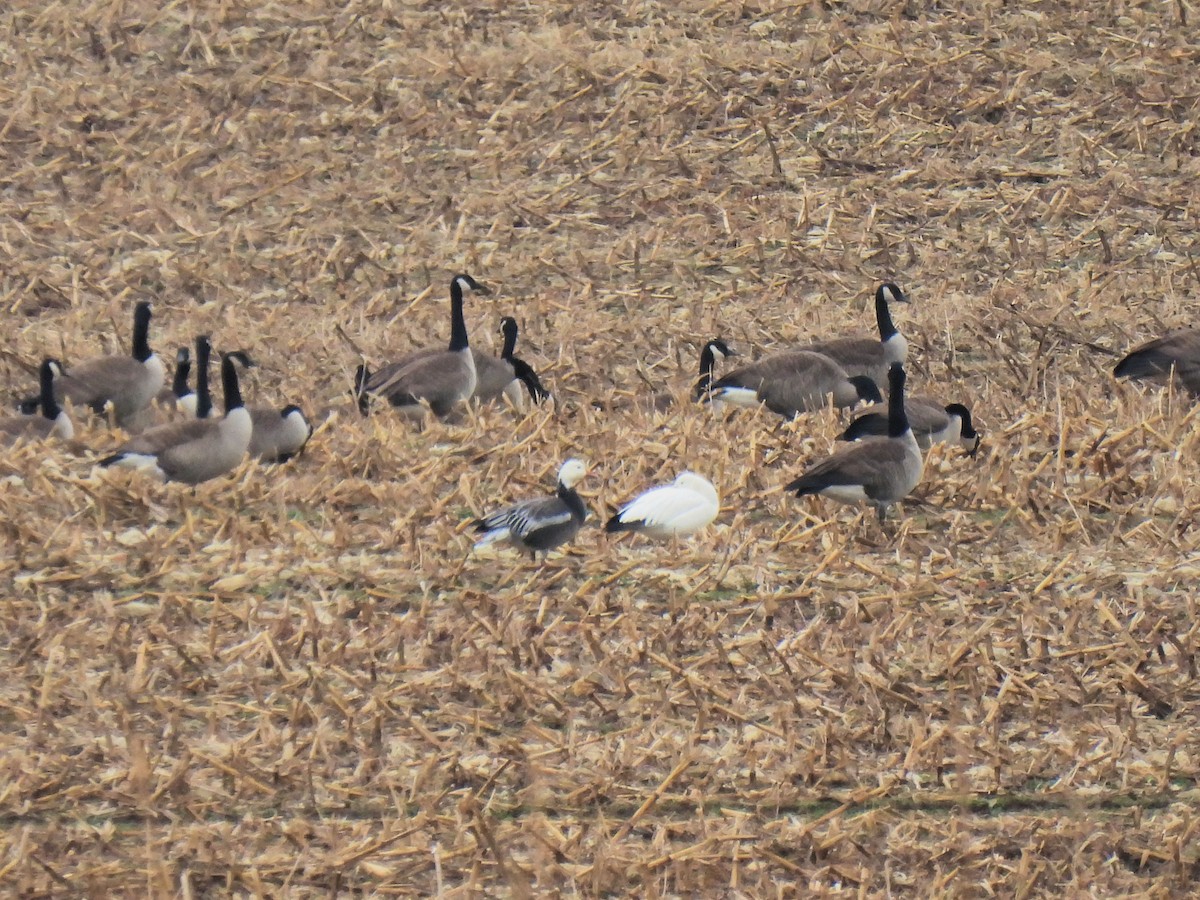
x,y
297,681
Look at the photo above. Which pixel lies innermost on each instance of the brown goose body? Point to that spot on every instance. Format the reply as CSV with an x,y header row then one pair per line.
x,y
128,383
440,378
869,356
877,470
793,382
1177,352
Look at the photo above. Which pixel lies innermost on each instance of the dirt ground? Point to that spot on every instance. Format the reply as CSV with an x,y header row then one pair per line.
x,y
299,681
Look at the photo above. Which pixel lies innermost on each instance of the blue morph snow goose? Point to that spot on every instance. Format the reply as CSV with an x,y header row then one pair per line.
x,y
675,510
540,524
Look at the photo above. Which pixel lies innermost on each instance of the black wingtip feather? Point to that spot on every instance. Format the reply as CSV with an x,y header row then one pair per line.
x,y
616,525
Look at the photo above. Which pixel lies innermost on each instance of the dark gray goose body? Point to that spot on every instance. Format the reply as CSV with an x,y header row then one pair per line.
x,y
543,523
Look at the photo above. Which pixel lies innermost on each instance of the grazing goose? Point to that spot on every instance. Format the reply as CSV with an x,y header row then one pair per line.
x,y
930,422
1178,352
529,378
197,450
540,524
879,470
53,420
497,377
674,510
440,378
867,356
279,434
792,382
129,383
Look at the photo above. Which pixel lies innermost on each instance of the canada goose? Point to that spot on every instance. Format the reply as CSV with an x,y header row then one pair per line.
x,y
179,395
53,420
196,450
441,378
930,422
867,356
879,470
279,434
1178,352
129,383
674,510
793,381
496,376
540,524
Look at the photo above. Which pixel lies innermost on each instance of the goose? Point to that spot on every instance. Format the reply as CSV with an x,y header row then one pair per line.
x,y
539,524
440,378
867,356
179,395
878,470
930,422
129,383
1178,352
53,421
278,434
793,381
197,450
674,510
497,377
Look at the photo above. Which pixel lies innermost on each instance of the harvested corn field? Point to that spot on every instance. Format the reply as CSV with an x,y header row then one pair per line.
x,y
302,681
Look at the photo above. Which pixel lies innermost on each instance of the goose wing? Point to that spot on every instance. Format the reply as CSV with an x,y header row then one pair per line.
x,y
1179,350
669,509
872,464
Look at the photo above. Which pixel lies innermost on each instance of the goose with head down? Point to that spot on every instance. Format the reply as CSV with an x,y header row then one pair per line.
x,y
675,510
931,423
792,382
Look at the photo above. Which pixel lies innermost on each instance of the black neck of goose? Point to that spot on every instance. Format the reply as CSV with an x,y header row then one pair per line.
x,y
458,326
968,426
574,502
510,340
883,315
50,407
897,417
708,362
204,402
229,383
183,368
141,332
